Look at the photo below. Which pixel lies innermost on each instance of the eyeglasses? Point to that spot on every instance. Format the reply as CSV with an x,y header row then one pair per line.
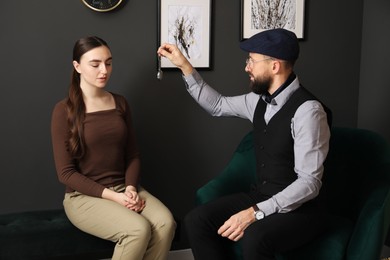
x,y
249,61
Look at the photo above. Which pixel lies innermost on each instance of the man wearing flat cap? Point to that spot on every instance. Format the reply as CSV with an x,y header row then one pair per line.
x,y
291,139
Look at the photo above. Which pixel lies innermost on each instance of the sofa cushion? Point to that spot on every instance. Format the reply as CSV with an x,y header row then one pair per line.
x,y
47,235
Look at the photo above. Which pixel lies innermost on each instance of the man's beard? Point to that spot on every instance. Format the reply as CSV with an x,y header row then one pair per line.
x,y
261,86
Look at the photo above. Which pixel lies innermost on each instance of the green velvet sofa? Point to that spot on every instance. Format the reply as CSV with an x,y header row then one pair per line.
x,y
357,185
48,234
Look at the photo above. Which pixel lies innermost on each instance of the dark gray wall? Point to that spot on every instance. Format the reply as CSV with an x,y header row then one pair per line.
x,y
182,147
374,77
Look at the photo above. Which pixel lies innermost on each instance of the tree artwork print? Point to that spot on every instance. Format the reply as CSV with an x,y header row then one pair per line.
x,y
185,29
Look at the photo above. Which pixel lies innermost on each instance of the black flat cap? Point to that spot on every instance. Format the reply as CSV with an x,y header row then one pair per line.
x,y
277,43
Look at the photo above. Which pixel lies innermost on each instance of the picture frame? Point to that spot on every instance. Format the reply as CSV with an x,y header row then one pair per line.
x,y
257,16
187,24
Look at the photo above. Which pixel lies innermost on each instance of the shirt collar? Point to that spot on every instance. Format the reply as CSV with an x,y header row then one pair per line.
x,y
270,99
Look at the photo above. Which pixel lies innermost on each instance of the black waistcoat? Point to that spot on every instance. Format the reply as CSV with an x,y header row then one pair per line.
x,y
274,145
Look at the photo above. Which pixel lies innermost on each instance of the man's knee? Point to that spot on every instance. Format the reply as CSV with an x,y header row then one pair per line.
x,y
194,220
257,244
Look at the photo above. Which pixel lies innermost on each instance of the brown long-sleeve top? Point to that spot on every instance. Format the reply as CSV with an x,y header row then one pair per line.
x,y
111,153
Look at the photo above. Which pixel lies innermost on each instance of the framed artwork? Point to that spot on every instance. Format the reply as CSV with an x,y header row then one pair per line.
x,y
186,23
260,15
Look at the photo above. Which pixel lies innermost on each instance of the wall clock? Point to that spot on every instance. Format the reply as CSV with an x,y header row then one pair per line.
x,y
102,5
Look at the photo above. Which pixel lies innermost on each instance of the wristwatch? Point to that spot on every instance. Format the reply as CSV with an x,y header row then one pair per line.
x,y
258,213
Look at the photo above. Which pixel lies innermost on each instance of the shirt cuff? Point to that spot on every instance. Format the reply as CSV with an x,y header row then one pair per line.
x,y
192,79
267,207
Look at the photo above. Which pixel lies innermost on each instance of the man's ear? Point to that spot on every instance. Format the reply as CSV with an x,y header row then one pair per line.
x,y
76,66
276,66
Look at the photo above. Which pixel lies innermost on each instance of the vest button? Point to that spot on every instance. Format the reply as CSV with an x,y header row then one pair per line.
x,y
264,182
261,147
265,131
262,165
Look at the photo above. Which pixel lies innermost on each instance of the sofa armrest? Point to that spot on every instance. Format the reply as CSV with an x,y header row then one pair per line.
x,y
371,226
238,176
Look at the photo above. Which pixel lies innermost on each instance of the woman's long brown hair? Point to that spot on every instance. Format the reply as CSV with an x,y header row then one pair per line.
x,y
75,103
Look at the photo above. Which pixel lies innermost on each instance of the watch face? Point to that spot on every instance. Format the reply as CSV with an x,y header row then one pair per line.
x,y
259,215
102,5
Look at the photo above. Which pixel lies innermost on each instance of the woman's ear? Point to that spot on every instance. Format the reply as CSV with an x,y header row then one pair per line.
x,y
76,66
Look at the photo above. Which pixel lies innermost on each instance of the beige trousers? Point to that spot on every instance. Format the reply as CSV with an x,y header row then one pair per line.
x,y
138,236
